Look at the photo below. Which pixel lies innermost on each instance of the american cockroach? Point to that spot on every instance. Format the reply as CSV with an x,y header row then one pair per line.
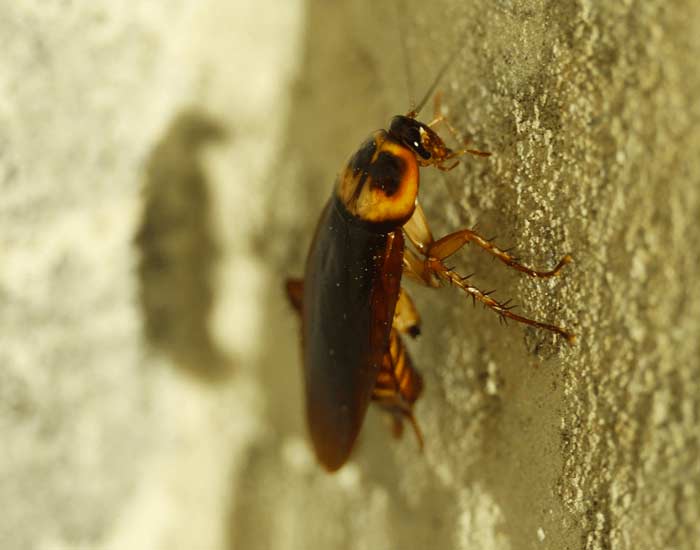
x,y
353,308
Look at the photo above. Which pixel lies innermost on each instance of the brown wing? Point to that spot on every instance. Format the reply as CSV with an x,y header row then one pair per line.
x,y
351,285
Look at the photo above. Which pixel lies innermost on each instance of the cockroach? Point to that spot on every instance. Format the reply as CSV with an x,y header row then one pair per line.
x,y
353,308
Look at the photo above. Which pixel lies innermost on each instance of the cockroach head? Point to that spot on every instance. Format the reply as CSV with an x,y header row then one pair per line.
x,y
420,138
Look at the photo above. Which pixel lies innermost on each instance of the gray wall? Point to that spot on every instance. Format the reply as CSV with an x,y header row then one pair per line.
x,y
161,171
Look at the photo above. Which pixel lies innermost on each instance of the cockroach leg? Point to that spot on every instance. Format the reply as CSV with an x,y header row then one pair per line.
x,y
406,317
477,152
392,402
437,112
414,267
398,386
416,429
439,117
420,235
295,292
432,266
407,414
503,309
418,231
444,168
449,244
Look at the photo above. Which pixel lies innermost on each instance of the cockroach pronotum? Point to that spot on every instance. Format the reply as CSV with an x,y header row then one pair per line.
x,y
353,308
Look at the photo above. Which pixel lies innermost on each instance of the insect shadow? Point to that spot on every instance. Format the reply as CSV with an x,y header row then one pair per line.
x,y
177,250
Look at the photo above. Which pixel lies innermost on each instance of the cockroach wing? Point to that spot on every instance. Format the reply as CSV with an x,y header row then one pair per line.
x,y
351,284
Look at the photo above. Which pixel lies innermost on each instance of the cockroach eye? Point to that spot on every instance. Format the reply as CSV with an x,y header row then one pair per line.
x,y
408,132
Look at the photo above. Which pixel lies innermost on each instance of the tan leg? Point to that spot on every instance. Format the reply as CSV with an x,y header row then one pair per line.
x,y
503,309
439,117
415,268
433,266
449,244
406,317
418,230
399,411
449,167
420,235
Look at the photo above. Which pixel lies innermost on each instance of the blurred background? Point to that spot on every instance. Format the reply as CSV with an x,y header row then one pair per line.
x,y
162,168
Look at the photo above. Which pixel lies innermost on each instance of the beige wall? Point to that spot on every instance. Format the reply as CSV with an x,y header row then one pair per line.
x,y
161,171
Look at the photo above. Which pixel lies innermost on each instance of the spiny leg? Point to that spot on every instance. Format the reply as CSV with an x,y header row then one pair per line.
x,y
449,244
503,309
419,233
432,267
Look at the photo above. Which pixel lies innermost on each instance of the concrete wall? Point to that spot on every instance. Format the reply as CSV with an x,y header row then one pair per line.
x,y
162,168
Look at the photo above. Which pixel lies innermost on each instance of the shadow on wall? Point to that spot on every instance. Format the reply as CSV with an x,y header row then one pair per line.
x,y
177,249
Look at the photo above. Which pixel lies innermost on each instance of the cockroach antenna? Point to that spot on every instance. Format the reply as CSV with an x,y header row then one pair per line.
x,y
401,18
413,113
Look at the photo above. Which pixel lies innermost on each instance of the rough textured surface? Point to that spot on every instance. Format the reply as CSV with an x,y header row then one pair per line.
x,y
115,433
592,114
